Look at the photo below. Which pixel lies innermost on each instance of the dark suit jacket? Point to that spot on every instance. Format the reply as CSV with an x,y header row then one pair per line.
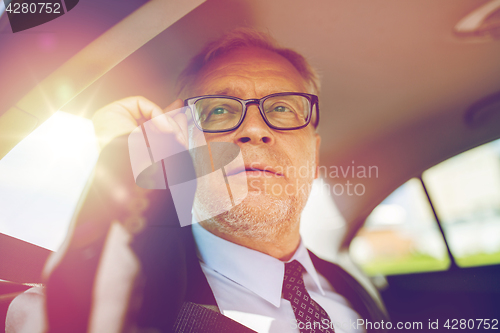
x,y
173,284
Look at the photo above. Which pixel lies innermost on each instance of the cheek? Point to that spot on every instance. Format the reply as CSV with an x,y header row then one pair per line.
x,y
205,157
196,143
304,153
196,137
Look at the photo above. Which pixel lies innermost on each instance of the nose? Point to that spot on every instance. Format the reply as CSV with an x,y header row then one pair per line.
x,y
254,129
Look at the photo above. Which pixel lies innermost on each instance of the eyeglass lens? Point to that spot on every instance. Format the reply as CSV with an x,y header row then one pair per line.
x,y
283,112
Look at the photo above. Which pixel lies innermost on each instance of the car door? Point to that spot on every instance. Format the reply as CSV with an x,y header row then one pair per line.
x,y
433,245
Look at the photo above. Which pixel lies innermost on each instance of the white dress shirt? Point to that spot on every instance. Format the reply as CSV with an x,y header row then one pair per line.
x,y
247,286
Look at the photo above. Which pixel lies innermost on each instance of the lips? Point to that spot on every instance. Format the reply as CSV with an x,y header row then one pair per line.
x,y
254,167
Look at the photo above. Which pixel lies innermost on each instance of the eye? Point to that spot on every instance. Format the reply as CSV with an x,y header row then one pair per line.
x,y
219,110
281,109
217,113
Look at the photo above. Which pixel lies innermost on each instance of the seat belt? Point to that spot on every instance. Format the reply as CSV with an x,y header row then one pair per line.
x,y
88,65
195,318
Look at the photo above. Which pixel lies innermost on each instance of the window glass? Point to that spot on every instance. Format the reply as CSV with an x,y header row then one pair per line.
x,y
465,191
42,178
401,235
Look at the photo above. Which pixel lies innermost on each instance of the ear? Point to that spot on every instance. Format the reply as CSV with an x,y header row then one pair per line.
x,y
318,142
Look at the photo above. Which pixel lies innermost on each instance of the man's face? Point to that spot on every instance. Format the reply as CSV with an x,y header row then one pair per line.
x,y
277,196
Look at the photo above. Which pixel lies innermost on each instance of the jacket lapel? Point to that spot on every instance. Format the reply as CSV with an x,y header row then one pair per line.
x,y
198,290
199,313
347,286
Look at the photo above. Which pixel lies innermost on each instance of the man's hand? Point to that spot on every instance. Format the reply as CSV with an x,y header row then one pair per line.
x,y
90,282
123,116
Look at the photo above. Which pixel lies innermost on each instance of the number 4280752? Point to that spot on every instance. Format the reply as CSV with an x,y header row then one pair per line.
x,y
461,324
34,8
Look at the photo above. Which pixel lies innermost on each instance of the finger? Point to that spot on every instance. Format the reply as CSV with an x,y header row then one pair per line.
x,y
139,107
181,120
168,124
147,108
179,113
163,119
174,108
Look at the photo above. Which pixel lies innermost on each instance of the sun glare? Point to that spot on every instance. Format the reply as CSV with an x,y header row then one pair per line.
x,y
41,179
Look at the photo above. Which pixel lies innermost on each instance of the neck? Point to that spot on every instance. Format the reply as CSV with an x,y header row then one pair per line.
x,y
281,246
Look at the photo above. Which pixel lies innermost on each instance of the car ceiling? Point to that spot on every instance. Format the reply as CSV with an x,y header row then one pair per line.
x,y
396,80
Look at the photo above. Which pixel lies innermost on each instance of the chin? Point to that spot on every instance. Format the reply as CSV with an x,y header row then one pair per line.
x,y
259,216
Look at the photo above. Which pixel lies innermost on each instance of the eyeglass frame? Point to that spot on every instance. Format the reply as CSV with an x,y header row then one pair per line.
x,y
313,101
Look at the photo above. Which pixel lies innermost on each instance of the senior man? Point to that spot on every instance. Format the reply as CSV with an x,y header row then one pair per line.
x,y
249,261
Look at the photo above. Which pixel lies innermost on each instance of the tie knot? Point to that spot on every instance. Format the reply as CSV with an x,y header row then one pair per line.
x,y
306,310
294,269
292,281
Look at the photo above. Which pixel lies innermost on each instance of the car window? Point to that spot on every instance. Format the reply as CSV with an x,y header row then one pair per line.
x,y
465,191
401,235
42,178
322,226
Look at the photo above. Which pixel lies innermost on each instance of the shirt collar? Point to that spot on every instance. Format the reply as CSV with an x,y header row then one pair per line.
x,y
256,271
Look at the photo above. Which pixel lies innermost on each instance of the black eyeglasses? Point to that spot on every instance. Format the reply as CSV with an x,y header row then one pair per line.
x,y
281,111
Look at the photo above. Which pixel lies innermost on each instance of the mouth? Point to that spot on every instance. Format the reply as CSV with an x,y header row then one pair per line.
x,y
256,171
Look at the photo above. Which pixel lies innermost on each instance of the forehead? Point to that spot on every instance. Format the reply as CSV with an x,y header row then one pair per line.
x,y
248,73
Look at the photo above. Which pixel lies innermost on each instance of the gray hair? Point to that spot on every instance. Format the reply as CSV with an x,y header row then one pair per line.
x,y
246,37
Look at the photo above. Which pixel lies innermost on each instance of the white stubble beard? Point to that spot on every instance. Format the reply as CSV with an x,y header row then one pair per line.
x,y
260,216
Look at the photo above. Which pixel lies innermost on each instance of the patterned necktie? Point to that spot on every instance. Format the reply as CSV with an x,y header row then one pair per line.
x,y
310,316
